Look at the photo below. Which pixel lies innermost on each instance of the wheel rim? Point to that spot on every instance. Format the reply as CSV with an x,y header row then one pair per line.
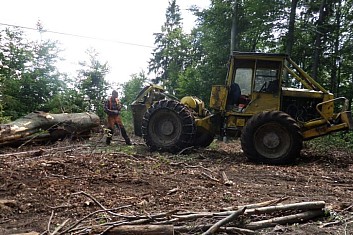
x,y
272,140
165,127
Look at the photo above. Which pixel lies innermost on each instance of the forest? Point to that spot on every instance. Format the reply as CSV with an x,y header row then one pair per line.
x,y
316,34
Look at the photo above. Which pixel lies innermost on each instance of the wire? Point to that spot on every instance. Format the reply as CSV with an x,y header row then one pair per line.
x,y
79,36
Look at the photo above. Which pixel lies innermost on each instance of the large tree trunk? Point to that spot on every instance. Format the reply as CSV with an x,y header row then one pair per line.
x,y
234,31
318,40
336,60
291,27
141,230
51,126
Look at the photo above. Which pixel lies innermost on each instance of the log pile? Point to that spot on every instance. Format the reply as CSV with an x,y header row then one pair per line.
x,y
39,126
246,219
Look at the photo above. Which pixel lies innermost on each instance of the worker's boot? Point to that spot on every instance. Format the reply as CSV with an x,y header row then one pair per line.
x,y
109,136
125,136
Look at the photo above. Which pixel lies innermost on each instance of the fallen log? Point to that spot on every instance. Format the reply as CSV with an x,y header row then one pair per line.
x,y
303,206
195,229
213,229
230,222
141,229
256,205
289,219
47,126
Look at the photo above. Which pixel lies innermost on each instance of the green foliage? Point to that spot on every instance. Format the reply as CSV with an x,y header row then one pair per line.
x,y
29,77
126,116
131,88
169,56
336,141
3,119
191,83
69,101
92,85
322,45
186,64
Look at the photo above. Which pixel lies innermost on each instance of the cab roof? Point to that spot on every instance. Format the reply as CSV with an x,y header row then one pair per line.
x,y
254,55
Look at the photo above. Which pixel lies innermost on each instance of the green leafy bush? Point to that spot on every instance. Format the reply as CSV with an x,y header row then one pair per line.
x,y
341,141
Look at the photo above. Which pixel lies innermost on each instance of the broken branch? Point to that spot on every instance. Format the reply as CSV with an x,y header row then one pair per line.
x,y
224,221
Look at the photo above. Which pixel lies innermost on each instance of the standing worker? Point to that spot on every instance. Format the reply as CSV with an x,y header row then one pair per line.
x,y
112,107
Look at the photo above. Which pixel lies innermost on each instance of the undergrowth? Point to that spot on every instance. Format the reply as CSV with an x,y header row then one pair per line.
x,y
335,141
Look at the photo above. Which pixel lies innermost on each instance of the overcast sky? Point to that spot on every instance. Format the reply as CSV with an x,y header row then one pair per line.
x,y
127,25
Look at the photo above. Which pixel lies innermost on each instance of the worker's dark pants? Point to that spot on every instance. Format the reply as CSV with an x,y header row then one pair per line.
x,y
113,121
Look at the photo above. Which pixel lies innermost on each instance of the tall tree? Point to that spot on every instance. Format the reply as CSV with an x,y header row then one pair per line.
x,y
345,57
320,33
169,56
336,54
29,75
234,32
92,84
291,27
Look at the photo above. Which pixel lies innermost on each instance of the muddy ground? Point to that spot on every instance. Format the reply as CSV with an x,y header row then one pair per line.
x,y
43,186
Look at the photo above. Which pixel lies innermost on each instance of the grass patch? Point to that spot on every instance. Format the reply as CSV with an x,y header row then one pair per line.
x,y
335,141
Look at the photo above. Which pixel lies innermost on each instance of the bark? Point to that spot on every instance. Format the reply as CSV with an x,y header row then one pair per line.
x,y
233,34
201,228
30,233
257,205
290,34
336,60
47,126
304,206
290,219
141,229
318,43
214,228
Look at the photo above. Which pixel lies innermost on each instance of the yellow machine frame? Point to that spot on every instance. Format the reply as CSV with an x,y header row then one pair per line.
x,y
236,119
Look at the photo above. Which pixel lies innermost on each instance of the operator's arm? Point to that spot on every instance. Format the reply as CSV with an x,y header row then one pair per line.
x,y
109,111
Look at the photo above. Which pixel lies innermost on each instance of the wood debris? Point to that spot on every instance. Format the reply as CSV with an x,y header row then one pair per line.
x,y
247,219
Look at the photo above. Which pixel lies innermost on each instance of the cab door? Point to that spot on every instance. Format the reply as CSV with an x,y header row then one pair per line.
x,y
266,87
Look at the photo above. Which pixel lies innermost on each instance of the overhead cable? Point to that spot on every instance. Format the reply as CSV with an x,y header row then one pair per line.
x,y
77,35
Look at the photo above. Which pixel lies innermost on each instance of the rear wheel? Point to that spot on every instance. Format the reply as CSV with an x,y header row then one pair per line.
x,y
168,126
272,137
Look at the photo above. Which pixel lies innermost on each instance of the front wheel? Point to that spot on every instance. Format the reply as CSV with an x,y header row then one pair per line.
x,y
271,137
168,126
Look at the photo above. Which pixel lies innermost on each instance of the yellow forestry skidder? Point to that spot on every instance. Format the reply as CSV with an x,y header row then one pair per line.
x,y
271,119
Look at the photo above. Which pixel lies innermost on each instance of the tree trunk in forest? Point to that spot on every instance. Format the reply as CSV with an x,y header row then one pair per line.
x,y
290,34
336,60
233,34
318,43
350,97
57,125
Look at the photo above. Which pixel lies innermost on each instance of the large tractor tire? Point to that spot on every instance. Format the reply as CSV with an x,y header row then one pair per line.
x,y
271,137
168,126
